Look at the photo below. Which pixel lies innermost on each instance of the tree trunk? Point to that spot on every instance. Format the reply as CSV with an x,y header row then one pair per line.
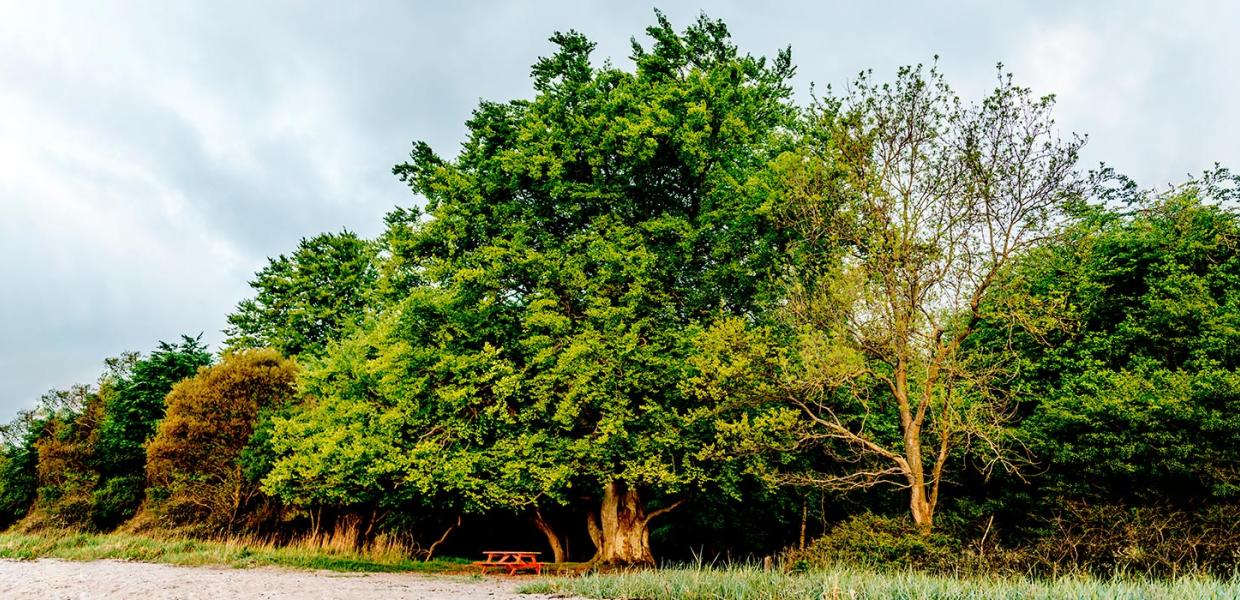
x,y
430,552
919,503
923,511
596,533
236,497
553,539
624,530
804,521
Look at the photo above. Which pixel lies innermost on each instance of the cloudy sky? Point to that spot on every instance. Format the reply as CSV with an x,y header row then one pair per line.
x,y
152,157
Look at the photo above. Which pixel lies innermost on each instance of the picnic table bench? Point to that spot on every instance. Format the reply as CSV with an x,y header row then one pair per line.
x,y
511,560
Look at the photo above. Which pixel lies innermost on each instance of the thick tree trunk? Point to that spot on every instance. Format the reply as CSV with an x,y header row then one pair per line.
x,y
623,528
553,539
596,533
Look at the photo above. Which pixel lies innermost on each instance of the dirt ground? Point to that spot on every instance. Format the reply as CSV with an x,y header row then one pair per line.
x,y
110,579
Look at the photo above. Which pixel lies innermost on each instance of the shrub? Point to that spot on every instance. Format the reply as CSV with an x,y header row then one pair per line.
x,y
881,542
1151,540
195,462
1080,538
114,499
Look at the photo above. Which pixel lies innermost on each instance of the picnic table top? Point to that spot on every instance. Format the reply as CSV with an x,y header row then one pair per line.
x,y
508,552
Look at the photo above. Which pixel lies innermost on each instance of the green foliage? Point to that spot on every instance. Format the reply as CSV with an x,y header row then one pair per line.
x,y
131,413
19,479
258,456
670,287
197,457
880,542
114,500
570,257
303,300
1140,398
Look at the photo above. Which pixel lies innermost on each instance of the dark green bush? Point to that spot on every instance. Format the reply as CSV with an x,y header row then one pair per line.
x,y
19,480
115,501
887,543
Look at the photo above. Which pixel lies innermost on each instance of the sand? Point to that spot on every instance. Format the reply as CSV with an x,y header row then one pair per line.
x,y
112,579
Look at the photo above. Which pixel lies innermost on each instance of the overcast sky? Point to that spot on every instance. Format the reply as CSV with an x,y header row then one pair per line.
x,y
152,157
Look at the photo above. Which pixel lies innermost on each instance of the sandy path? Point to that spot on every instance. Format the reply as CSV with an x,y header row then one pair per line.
x,y
111,579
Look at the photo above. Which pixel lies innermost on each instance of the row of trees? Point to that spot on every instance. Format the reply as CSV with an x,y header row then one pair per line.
x,y
161,439
641,290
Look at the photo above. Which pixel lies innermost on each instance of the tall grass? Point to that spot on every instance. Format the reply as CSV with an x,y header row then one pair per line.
x,y
336,551
844,583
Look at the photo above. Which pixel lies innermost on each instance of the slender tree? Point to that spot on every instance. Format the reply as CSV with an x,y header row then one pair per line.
x,y
911,207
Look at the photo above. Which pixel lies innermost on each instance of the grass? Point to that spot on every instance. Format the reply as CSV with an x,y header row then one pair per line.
x,y
844,583
308,553
331,552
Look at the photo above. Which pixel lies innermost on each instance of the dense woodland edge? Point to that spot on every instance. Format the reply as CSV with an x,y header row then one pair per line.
x,y
668,312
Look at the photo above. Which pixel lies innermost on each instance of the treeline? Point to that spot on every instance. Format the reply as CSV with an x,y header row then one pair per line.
x,y
669,308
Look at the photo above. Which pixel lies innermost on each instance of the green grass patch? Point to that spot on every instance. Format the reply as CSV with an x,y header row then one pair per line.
x,y
843,583
232,552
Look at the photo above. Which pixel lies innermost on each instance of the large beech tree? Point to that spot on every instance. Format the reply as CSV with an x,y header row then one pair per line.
x,y
568,259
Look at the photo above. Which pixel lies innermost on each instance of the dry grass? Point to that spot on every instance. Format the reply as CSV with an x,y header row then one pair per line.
x,y
847,583
337,550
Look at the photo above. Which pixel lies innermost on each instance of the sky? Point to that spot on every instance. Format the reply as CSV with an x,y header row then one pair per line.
x,y
153,155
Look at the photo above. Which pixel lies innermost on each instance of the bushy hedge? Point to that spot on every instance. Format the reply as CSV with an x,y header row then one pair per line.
x,y
1156,540
1103,539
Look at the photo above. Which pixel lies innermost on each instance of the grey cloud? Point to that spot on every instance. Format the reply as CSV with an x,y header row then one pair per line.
x,y
152,156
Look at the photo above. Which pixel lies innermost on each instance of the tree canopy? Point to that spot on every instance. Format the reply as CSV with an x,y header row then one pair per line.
x,y
570,255
664,301
196,463
1139,395
308,298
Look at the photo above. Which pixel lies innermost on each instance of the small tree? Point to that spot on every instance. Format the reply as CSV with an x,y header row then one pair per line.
x,y
910,207
66,479
19,457
308,298
132,409
194,463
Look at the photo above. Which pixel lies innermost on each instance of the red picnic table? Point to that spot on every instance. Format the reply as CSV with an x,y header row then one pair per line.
x,y
512,560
